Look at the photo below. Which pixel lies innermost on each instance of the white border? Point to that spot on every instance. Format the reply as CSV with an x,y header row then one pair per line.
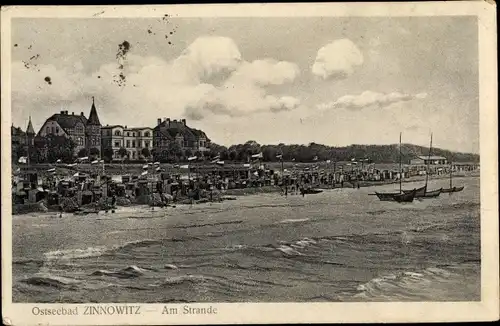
x,y
236,313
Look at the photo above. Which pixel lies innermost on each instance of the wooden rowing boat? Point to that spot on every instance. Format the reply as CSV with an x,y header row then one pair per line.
x,y
452,189
397,197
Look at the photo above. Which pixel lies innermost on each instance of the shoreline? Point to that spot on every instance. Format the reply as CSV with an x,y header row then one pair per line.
x,y
233,194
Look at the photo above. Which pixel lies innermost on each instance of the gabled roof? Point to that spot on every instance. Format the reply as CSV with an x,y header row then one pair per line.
x,y
67,121
93,118
16,131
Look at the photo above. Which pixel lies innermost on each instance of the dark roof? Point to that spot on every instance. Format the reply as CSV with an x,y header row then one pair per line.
x,y
16,131
68,121
112,126
93,118
198,133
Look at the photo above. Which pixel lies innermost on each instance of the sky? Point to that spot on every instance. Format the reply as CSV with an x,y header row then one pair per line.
x,y
330,80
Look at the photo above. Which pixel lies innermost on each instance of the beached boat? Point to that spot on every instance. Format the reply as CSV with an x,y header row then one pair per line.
x,y
452,189
431,194
396,196
420,192
312,191
401,196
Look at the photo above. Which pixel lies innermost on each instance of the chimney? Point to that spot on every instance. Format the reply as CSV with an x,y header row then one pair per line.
x,y
81,113
72,113
159,121
66,112
62,112
183,121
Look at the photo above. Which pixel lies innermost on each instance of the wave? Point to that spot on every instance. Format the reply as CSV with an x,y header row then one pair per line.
x,y
53,281
298,220
128,272
105,250
430,284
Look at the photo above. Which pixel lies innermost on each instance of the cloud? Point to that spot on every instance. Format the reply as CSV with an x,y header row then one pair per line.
x,y
337,60
244,92
151,87
368,99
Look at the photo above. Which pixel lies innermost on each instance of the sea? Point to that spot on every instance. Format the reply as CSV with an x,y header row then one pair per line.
x,y
342,245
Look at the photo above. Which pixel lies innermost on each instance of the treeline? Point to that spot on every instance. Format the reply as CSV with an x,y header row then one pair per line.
x,y
52,148
317,152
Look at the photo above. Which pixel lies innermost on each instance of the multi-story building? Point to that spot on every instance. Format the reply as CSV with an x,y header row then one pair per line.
x,y
432,160
168,131
133,140
84,133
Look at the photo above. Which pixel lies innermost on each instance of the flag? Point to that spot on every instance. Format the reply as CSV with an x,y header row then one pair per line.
x,y
220,162
101,161
145,167
257,155
58,160
192,158
144,173
156,163
353,159
76,174
23,159
51,170
83,158
256,173
94,162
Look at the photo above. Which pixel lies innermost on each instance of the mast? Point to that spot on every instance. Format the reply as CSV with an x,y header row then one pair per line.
x,y
451,173
428,159
400,167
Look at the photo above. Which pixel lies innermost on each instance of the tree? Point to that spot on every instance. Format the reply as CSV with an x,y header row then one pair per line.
x,y
122,152
94,152
146,152
83,152
107,154
188,152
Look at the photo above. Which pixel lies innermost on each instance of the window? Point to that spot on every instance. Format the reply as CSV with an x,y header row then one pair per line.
x,y
146,134
133,154
117,133
133,143
128,143
186,143
109,132
146,144
128,134
139,134
57,130
48,130
117,144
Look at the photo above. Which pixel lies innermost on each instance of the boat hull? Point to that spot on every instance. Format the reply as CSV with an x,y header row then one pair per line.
x,y
420,192
432,194
454,189
397,197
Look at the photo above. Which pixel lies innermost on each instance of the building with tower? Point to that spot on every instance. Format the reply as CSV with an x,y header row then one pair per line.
x,y
85,133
